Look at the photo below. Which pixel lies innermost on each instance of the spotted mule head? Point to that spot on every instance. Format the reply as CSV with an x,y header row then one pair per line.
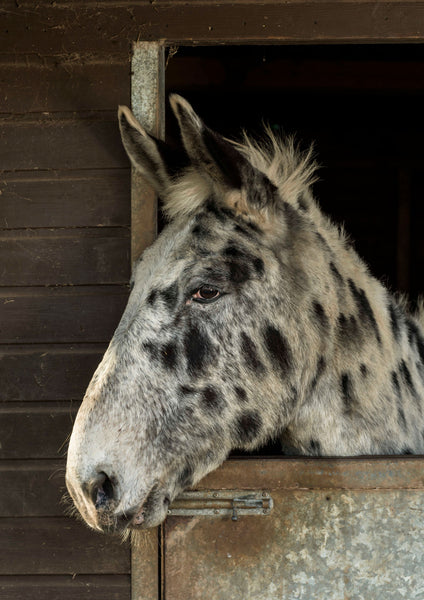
x,y
201,362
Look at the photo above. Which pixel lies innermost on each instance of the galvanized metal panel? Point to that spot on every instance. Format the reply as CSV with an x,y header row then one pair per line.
x,y
316,544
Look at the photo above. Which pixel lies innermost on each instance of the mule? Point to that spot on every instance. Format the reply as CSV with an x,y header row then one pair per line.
x,y
250,318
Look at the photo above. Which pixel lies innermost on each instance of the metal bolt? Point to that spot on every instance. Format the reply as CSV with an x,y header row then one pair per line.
x,y
216,511
169,512
264,495
215,495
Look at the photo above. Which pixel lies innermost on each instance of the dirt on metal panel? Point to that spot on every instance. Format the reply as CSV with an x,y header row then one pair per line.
x,y
321,544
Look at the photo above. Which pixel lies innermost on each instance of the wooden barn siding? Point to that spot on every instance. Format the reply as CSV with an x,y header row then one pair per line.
x,y
64,269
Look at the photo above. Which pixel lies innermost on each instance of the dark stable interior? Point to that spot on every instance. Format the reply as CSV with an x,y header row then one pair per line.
x,y
361,106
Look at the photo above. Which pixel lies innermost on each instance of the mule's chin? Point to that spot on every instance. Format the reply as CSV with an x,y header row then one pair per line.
x,y
151,514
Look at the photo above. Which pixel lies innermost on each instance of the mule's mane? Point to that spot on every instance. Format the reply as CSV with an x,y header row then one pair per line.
x,y
281,160
289,169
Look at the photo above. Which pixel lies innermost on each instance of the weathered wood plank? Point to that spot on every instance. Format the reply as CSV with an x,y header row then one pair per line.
x,y
61,143
35,430
42,83
51,372
67,315
58,546
111,29
32,488
65,256
358,473
65,199
65,587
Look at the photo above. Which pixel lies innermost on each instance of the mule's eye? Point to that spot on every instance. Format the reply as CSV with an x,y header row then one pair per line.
x,y
206,294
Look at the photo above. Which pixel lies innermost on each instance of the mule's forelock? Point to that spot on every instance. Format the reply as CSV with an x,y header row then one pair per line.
x,y
251,179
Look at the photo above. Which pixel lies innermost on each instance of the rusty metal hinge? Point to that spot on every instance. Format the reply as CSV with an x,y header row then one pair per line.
x,y
233,503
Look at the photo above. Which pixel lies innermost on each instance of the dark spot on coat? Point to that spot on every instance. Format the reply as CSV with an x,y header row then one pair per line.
x,y
241,394
320,316
247,228
250,354
334,270
323,242
131,285
248,426
198,349
186,390
200,230
348,330
319,371
277,348
169,356
315,448
170,296
245,258
213,209
364,370
406,375
395,383
401,417
152,297
239,271
185,478
243,230
258,265
211,399
406,450
394,320
347,392
152,349
365,311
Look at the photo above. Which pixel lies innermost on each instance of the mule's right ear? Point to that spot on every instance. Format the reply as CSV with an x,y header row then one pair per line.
x,y
146,153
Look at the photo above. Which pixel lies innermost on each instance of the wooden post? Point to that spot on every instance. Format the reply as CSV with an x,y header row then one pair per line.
x,y
148,106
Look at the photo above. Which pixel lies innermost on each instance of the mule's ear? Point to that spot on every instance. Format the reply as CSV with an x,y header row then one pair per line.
x,y
219,158
148,155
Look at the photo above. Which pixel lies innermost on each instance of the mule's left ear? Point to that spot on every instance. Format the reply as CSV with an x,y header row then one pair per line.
x,y
155,160
219,158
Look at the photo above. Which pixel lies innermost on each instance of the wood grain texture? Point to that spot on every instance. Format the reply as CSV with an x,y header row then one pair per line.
x,y
47,372
32,488
362,473
113,28
58,546
65,587
66,315
64,142
86,198
35,430
87,256
42,83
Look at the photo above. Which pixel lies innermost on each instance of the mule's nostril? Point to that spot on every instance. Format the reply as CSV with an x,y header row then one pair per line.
x,y
101,490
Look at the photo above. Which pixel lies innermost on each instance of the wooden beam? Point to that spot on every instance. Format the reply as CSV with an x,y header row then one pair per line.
x,y
75,29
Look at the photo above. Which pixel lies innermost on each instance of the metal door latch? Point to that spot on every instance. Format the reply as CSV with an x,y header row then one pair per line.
x,y
233,503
